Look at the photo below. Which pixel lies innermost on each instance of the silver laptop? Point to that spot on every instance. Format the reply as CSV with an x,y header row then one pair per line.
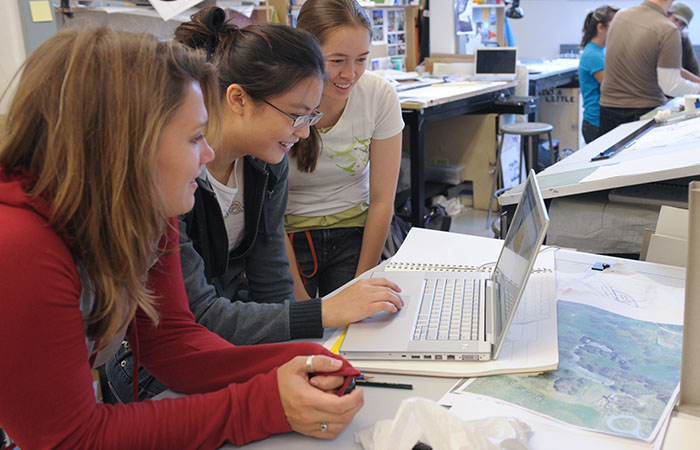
x,y
495,64
460,316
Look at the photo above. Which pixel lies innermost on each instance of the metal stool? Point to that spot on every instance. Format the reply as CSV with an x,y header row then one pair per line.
x,y
525,130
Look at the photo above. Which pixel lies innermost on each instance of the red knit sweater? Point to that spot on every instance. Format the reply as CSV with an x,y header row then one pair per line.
x,y
46,394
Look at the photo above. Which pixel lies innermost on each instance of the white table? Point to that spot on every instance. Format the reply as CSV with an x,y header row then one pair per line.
x,y
382,403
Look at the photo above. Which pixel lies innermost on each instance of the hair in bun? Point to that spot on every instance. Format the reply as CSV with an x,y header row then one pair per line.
x,y
205,30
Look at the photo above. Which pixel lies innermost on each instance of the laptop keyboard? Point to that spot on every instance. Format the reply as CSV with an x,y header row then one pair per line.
x,y
539,294
449,310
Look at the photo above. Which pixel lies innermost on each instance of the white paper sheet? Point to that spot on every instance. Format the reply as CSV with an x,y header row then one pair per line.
x,y
623,291
547,433
168,10
438,92
668,135
427,246
652,160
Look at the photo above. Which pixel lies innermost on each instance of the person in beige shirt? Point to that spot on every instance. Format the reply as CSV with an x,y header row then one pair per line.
x,y
642,64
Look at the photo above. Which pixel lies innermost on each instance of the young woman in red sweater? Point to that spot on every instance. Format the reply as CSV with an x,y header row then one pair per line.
x,y
102,145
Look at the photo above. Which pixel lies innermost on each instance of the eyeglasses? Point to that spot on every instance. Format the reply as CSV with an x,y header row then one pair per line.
x,y
679,23
300,121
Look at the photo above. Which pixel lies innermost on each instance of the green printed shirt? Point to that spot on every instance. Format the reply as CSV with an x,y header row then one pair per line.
x,y
338,190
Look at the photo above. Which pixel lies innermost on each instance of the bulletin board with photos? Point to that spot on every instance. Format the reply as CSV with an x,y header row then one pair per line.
x,y
393,37
479,24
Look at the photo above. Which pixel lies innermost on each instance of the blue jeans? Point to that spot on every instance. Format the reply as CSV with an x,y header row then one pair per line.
x,y
610,117
119,373
590,132
337,254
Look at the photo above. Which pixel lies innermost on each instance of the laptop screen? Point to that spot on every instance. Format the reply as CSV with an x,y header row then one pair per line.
x,y
495,61
520,248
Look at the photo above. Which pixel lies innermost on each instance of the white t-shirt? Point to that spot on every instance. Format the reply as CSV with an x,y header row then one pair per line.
x,y
230,198
341,178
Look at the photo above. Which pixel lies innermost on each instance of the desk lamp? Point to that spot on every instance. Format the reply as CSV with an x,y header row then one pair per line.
x,y
515,11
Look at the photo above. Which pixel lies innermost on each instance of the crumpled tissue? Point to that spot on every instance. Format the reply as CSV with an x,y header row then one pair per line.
x,y
420,419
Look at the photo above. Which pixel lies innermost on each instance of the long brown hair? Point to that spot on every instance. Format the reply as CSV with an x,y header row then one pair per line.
x,y
84,123
320,18
266,59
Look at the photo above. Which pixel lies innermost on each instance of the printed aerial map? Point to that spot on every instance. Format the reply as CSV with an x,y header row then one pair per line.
x,y
616,374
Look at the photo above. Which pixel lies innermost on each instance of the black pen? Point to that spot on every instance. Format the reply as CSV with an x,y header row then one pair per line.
x,y
383,384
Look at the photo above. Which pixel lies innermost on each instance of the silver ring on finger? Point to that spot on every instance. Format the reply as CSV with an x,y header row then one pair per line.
x,y
310,363
324,427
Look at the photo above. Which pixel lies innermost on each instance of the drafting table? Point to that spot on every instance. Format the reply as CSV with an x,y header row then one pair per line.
x,y
438,102
383,403
589,211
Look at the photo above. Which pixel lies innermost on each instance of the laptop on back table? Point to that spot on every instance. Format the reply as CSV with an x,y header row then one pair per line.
x,y
460,316
495,64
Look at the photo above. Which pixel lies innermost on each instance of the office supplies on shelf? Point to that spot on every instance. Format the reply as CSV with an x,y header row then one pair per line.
x,y
383,384
458,316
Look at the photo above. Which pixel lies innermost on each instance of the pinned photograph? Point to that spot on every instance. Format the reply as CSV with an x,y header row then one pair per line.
x,y
378,37
391,20
463,12
377,17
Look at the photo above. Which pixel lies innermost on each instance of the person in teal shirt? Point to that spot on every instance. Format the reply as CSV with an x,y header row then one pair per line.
x,y
592,67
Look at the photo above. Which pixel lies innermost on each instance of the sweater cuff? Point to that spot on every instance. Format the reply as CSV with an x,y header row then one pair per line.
x,y
305,319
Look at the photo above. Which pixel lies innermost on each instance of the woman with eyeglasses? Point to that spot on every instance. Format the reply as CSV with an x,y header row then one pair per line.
x,y
342,181
232,247
591,68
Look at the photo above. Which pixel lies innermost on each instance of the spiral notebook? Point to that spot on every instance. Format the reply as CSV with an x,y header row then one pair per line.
x,y
426,250
457,312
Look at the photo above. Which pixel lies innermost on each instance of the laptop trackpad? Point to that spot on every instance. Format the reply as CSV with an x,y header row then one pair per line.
x,y
385,329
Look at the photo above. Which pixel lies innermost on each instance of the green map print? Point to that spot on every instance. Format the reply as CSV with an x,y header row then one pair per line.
x,y
615,374
354,157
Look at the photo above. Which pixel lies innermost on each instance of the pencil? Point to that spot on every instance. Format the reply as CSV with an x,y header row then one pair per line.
x,y
364,377
336,347
382,384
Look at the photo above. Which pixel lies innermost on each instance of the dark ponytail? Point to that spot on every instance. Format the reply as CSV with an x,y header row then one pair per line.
x,y
590,29
307,151
604,15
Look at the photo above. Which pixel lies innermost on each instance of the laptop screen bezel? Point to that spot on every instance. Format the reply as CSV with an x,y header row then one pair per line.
x,y
531,184
484,50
